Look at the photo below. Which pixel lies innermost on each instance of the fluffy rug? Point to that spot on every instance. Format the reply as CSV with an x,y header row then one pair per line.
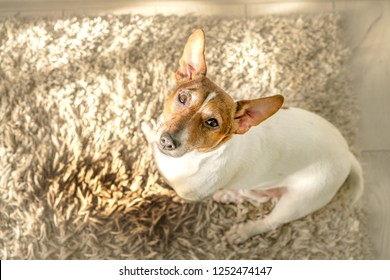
x,y
77,180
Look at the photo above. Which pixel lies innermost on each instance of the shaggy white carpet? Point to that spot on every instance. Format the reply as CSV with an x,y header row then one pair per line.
x,y
77,180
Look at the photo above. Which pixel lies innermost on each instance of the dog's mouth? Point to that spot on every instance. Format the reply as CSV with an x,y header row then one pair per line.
x,y
176,153
171,144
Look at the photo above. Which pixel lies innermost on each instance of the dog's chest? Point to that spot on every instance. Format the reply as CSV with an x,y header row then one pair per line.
x,y
194,175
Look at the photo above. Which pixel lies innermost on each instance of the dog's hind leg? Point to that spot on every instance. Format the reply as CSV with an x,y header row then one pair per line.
x,y
314,192
253,196
287,209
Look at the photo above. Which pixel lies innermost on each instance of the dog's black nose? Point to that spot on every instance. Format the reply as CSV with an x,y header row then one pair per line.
x,y
167,142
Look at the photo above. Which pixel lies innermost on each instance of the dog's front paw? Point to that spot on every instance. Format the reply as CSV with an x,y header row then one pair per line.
x,y
228,196
148,131
239,233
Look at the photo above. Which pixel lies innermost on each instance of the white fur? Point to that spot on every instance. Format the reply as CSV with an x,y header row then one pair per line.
x,y
207,100
294,149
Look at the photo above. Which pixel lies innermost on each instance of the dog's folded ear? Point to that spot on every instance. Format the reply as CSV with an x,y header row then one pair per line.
x,y
192,63
252,112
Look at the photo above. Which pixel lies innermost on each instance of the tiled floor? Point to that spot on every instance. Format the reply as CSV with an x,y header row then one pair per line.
x,y
368,32
368,25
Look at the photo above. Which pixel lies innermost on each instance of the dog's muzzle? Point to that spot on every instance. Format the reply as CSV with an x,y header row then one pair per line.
x,y
168,143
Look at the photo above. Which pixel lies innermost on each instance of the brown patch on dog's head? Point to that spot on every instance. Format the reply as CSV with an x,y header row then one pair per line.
x,y
200,116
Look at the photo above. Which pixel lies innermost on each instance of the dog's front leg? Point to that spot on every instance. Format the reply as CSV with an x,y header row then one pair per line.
x,y
149,132
228,196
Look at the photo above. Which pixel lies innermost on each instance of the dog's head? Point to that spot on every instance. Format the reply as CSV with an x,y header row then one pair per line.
x,y
200,116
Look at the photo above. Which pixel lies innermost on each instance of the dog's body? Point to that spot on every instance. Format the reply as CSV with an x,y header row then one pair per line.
x,y
205,146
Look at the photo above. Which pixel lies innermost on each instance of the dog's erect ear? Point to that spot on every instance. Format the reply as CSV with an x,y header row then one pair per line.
x,y
252,112
192,63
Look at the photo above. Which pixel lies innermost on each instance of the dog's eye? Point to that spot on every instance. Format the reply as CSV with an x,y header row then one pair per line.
x,y
212,123
183,98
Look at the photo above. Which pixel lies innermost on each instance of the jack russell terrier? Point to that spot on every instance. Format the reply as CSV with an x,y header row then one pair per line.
x,y
207,144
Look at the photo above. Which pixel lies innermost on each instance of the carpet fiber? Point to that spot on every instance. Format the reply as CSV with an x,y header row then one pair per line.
x,y
77,180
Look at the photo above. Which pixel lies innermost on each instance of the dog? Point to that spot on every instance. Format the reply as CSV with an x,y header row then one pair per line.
x,y
208,145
